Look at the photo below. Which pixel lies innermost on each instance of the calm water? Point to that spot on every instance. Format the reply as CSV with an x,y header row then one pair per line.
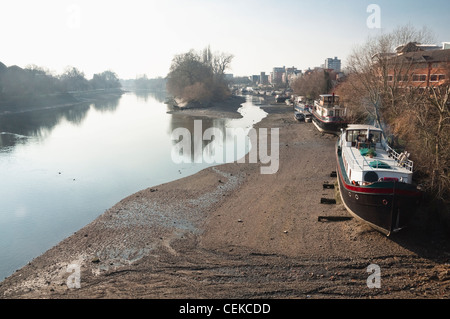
x,y
62,168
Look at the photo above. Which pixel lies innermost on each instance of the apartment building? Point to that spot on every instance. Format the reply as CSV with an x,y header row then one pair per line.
x,y
334,64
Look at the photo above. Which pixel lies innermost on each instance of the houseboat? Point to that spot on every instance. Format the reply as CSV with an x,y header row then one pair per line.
x,y
328,115
375,182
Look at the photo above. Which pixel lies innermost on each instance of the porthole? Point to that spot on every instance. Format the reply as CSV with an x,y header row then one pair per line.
x,y
356,196
371,177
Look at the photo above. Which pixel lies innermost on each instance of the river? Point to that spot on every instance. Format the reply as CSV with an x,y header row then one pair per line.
x,y
61,168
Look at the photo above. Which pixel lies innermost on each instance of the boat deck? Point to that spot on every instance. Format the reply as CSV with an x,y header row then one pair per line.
x,y
384,164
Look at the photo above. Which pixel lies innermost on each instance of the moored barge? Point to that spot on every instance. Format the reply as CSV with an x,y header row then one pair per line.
x,y
375,182
328,116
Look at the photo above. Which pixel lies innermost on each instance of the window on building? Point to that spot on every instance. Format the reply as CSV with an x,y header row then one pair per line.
x,y
402,78
441,77
419,77
433,78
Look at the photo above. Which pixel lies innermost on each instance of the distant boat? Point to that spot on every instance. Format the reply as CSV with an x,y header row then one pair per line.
x,y
299,116
305,110
328,115
378,189
281,98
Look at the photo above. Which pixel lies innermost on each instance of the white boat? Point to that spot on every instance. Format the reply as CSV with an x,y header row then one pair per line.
x,y
378,190
328,115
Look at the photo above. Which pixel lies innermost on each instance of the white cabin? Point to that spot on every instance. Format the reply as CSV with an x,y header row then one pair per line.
x,y
327,106
386,165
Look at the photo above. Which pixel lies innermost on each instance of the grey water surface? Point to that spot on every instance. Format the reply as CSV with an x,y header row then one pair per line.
x,y
61,168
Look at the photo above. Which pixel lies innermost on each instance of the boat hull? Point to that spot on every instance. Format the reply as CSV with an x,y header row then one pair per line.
x,y
386,206
330,127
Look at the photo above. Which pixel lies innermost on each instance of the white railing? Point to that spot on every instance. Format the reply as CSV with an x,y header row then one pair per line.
x,y
395,160
400,159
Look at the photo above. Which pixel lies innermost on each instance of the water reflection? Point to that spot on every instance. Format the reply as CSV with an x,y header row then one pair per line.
x,y
108,105
145,95
17,127
213,140
62,167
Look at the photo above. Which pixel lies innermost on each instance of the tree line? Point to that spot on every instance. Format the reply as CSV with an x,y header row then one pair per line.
x,y
199,77
314,83
17,83
145,83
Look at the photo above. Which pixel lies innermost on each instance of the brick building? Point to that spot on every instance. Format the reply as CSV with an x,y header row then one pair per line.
x,y
419,66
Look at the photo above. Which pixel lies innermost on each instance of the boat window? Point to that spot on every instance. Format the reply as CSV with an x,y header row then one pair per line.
x,y
376,137
350,136
360,135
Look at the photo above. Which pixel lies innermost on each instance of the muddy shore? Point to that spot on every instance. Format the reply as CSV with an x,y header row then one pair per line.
x,y
231,232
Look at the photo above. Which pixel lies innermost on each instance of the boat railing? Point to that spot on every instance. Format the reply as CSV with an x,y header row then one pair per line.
x,y
401,159
394,159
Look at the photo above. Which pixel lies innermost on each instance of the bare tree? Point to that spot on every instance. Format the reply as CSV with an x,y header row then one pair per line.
x,y
74,80
221,62
438,98
351,94
199,77
312,85
376,67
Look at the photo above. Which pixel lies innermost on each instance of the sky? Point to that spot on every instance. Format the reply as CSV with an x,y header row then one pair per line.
x,y
136,37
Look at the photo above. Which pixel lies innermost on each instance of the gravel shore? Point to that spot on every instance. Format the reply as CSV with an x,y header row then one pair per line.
x,y
231,232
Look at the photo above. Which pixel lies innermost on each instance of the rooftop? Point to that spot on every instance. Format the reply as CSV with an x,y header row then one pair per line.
x,y
362,127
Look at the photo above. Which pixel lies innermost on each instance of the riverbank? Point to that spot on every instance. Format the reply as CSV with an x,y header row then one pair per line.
x,y
21,104
224,109
231,232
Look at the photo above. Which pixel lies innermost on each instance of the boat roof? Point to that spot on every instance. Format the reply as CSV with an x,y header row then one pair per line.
x,y
362,127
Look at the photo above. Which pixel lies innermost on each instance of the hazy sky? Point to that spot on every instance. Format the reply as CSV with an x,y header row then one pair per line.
x,y
136,37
